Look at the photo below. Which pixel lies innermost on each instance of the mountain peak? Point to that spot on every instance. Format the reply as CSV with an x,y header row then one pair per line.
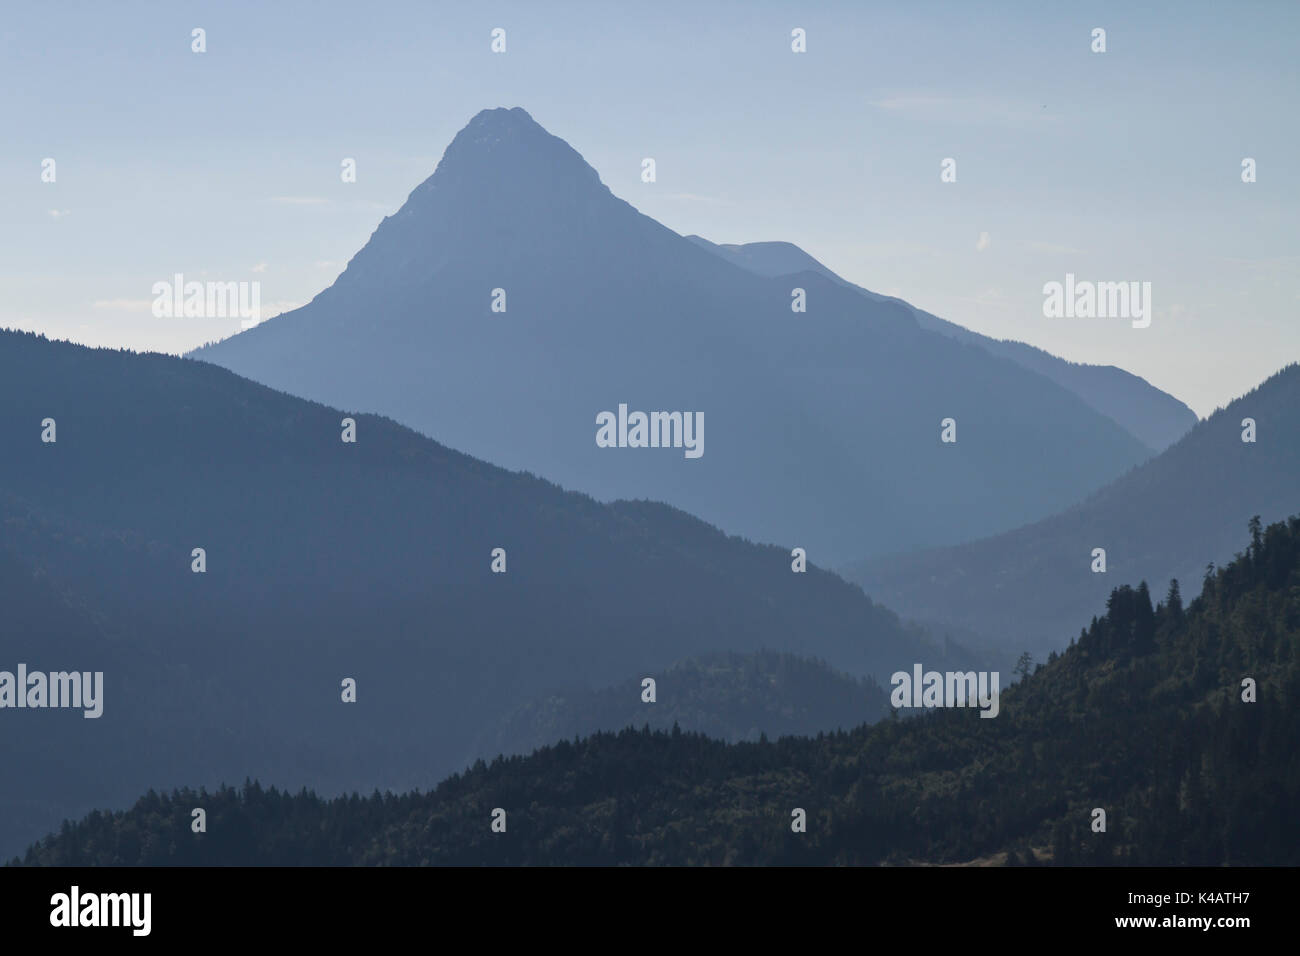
x,y
502,116
506,149
504,187
492,128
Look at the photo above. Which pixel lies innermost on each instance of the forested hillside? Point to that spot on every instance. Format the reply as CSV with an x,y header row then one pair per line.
x,y
327,560
1145,716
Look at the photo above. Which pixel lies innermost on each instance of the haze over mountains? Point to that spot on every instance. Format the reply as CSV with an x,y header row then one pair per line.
x,y
822,428
373,561
327,560
1155,418
1033,587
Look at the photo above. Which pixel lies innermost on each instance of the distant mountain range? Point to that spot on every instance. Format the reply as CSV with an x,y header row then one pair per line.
x,y
1034,587
729,697
328,560
1155,418
1171,726
822,428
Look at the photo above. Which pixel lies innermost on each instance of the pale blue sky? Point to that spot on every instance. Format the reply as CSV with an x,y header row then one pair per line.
x,y
1123,165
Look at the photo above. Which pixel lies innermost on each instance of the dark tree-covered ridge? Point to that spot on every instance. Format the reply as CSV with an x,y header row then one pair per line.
x,y
1144,716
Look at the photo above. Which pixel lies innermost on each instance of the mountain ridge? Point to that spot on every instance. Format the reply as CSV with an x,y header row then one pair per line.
x,y
1154,417
823,425
327,560
1211,779
1163,519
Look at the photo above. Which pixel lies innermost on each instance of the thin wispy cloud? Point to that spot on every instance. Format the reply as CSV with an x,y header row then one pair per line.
x,y
989,296
970,110
1037,245
322,201
1287,263
696,197
123,305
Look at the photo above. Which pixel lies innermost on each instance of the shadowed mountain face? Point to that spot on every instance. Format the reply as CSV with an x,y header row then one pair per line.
x,y
1034,587
1153,417
822,428
328,560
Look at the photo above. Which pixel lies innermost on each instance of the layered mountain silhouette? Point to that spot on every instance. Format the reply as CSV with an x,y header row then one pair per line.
x,y
821,428
328,560
726,696
1155,418
1033,587
1177,721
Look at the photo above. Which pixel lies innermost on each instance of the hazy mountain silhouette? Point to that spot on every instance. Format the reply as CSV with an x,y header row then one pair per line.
x,y
1146,717
726,696
1155,418
1033,587
327,560
822,429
